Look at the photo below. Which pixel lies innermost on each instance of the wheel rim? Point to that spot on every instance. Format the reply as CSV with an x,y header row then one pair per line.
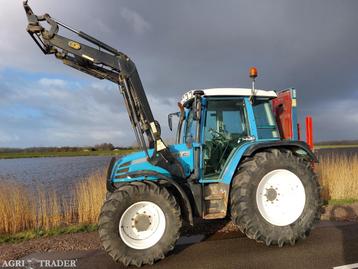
x,y
142,225
280,197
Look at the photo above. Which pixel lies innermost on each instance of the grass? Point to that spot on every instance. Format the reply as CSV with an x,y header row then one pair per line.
x,y
342,201
26,216
15,155
38,233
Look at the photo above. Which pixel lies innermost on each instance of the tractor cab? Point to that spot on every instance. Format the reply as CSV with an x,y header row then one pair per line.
x,y
219,121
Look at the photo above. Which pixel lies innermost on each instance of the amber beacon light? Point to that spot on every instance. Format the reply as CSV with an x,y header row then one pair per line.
x,y
253,72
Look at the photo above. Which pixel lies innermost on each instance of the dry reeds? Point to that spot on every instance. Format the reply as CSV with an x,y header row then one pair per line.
x,y
16,210
22,209
339,177
90,194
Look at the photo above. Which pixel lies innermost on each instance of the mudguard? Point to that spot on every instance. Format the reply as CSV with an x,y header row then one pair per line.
x,y
295,145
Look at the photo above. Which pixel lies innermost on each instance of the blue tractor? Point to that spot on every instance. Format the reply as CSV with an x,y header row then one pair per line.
x,y
230,159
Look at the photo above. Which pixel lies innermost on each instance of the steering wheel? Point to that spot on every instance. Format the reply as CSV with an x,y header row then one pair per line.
x,y
217,135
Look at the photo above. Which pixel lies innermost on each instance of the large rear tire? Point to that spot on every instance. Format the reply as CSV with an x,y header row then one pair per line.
x,y
139,223
275,197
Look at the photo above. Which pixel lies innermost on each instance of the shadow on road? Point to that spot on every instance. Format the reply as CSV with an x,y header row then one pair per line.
x,y
208,226
349,232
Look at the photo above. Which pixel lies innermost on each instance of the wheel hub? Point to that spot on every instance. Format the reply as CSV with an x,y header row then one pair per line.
x,y
271,194
142,222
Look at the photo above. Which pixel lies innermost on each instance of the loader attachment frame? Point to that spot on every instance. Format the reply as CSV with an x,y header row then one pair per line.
x,y
106,62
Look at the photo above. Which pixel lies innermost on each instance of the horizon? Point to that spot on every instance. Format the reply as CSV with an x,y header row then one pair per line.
x,y
327,142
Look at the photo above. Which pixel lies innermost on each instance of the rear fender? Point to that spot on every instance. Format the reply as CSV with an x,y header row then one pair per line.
x,y
248,149
298,147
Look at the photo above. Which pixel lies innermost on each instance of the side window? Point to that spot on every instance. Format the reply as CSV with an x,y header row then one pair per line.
x,y
265,121
231,117
211,122
190,128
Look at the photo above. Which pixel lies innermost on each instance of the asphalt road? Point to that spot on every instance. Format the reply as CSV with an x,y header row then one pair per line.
x,y
329,245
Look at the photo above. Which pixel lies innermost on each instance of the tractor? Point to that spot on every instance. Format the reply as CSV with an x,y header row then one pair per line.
x,y
237,154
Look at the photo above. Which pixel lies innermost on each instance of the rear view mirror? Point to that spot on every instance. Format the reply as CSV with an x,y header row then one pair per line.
x,y
170,121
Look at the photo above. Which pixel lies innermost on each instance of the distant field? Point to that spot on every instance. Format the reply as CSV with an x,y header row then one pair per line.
x,y
13,155
335,146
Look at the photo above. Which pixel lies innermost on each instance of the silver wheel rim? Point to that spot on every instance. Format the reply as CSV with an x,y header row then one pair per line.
x,y
280,197
142,225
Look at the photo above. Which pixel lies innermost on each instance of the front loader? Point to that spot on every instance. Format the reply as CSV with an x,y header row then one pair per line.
x,y
231,158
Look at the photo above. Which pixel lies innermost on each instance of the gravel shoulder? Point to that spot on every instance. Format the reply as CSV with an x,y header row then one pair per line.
x,y
90,241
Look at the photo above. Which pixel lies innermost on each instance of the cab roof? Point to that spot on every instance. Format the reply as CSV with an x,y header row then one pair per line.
x,y
228,92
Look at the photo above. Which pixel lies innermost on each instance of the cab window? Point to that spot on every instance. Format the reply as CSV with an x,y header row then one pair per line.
x,y
190,128
265,121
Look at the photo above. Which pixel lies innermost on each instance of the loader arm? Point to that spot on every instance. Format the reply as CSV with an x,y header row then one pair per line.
x,y
105,62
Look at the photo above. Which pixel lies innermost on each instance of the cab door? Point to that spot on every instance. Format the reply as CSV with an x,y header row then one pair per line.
x,y
224,126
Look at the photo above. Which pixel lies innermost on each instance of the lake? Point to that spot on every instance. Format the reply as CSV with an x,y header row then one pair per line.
x,y
56,173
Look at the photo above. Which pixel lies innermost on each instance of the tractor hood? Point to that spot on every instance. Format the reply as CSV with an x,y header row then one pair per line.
x,y
138,161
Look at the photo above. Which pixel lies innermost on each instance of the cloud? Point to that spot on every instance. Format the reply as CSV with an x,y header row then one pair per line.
x,y
135,21
329,120
46,82
6,138
54,112
178,46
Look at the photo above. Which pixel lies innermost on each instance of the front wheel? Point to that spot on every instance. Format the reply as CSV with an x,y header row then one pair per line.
x,y
275,197
139,223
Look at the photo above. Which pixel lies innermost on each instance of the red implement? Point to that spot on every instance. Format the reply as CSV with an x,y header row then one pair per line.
x,y
282,109
309,131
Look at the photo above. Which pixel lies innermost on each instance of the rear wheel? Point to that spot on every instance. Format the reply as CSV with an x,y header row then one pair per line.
x,y
275,197
139,223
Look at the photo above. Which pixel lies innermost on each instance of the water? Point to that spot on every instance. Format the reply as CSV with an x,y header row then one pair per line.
x,y
55,173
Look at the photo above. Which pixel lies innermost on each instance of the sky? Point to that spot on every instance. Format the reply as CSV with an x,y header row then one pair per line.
x,y
178,46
